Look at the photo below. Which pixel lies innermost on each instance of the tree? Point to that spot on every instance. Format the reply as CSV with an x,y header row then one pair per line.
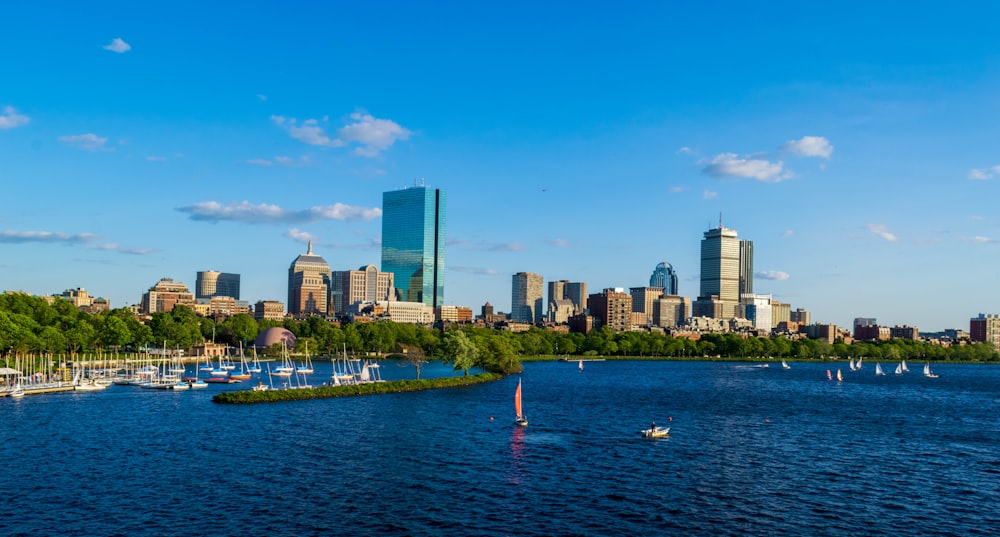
x,y
415,357
459,351
114,332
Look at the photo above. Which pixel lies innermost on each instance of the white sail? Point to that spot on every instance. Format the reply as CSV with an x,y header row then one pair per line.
x,y
903,365
858,365
784,365
878,370
851,365
899,369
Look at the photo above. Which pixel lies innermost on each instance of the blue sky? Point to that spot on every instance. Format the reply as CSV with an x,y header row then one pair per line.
x,y
856,145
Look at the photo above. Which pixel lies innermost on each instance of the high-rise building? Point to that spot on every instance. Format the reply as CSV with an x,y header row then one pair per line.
x,y
366,284
413,243
746,267
721,268
670,311
642,302
574,292
985,328
665,277
526,297
800,316
614,309
271,310
308,285
210,283
757,309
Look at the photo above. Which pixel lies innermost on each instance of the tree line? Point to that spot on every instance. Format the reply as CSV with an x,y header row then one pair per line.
x,y
29,325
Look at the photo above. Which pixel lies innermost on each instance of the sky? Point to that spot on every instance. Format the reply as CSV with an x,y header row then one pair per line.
x,y
857,145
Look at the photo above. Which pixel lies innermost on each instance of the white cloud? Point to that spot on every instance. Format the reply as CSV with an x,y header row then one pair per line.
x,y
772,275
983,240
685,151
280,160
788,233
474,270
372,134
69,239
561,243
153,158
10,118
262,97
810,146
881,231
676,189
710,195
86,142
982,174
298,235
732,165
213,211
118,45
10,236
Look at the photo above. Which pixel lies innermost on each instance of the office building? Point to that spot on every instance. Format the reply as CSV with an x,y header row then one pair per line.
x,y
665,277
757,310
800,316
642,302
367,284
721,270
746,267
413,226
210,284
163,296
270,310
563,290
526,298
308,285
670,311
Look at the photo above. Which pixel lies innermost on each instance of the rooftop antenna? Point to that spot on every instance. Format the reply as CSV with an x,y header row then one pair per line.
x,y
720,219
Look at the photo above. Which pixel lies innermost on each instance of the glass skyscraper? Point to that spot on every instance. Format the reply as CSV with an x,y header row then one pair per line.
x,y
413,243
665,277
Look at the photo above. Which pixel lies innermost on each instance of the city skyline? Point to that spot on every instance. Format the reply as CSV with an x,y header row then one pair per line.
x,y
854,144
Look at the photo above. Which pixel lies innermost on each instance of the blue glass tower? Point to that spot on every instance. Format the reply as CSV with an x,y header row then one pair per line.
x,y
665,277
413,243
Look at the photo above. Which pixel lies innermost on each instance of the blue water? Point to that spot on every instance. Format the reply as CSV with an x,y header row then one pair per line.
x,y
752,451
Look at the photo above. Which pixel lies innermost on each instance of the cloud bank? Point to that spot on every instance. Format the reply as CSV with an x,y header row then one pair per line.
x,y
10,119
118,45
371,135
810,146
213,211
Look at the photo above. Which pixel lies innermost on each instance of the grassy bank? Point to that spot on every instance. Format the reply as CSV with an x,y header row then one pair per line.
x,y
374,388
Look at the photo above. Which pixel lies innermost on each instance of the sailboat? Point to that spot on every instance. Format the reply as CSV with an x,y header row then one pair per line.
x,y
243,374
902,364
307,366
581,365
828,376
927,371
878,370
521,419
899,369
858,365
840,378
255,366
852,366
784,365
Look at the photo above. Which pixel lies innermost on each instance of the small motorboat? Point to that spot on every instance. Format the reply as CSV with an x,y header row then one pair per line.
x,y
655,432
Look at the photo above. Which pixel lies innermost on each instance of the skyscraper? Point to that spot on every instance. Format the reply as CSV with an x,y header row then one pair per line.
x,y
308,285
665,277
526,297
413,243
367,284
724,260
210,283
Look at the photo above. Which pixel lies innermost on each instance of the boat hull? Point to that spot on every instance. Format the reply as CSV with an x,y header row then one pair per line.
x,y
658,432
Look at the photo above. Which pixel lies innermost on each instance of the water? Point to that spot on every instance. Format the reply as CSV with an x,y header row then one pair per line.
x,y
752,451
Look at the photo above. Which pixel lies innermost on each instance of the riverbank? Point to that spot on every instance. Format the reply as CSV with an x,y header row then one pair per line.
x,y
372,388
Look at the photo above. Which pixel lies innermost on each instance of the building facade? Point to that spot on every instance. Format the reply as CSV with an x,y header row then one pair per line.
x,y
720,270
800,316
746,267
642,302
308,285
163,296
210,283
413,227
270,310
985,328
671,311
757,310
367,284
665,277
526,298
613,308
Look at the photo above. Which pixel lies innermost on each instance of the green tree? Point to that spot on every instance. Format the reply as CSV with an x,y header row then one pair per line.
x,y
459,351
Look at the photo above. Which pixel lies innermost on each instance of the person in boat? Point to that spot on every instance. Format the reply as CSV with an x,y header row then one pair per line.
x,y
652,428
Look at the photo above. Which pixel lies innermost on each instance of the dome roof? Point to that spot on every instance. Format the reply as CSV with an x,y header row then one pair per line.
x,y
275,335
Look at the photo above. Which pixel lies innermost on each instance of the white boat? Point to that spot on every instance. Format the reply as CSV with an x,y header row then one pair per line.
x,y
902,364
851,365
581,365
840,378
307,366
655,432
520,417
878,370
858,365
198,384
784,365
927,371
255,366
899,369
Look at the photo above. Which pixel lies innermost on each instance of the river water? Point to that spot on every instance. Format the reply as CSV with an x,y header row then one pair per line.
x,y
752,451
